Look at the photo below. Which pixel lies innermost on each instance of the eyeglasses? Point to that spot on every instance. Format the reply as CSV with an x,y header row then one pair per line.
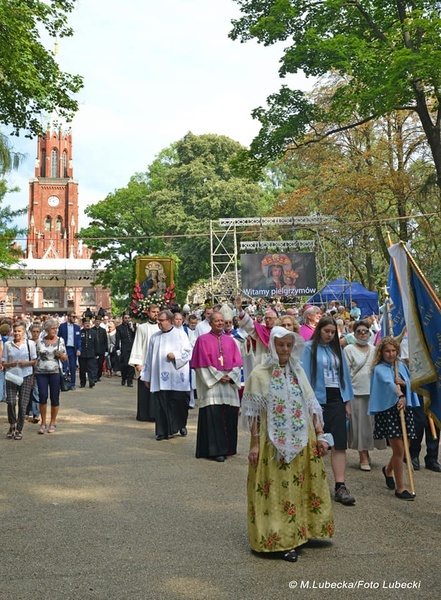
x,y
362,331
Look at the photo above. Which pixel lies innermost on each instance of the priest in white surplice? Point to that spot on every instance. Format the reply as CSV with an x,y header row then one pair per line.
x,y
167,374
217,362
145,408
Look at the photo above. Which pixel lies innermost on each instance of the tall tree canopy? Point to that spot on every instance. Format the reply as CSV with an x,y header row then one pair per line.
x,y
119,230
200,185
387,53
168,210
31,81
369,180
9,253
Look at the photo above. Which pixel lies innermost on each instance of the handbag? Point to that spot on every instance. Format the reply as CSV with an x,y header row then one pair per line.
x,y
13,378
65,382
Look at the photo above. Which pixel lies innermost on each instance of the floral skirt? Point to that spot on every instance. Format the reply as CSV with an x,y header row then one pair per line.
x,y
288,503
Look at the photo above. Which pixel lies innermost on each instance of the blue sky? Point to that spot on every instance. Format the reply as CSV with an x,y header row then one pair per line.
x,y
154,70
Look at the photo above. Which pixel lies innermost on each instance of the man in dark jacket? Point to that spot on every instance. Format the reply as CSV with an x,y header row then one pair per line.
x,y
87,358
124,342
102,347
71,334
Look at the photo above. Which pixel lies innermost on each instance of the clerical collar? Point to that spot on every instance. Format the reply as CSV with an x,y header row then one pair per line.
x,y
171,329
152,322
216,335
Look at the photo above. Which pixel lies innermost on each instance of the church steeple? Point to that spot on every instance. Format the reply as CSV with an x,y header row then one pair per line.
x,y
53,196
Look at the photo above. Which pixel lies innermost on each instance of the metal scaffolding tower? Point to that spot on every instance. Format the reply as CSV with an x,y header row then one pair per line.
x,y
224,255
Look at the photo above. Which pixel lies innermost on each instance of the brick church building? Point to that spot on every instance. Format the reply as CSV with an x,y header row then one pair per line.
x,y
58,275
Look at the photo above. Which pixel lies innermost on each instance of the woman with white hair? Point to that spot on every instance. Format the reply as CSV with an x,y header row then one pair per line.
x,y
288,494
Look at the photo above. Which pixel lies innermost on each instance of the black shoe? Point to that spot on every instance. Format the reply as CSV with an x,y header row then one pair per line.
x,y
219,458
130,384
291,555
91,385
123,382
404,495
82,385
390,481
415,463
159,438
433,466
183,431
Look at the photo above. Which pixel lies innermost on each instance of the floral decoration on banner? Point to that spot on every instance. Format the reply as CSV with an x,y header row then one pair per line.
x,y
170,296
140,304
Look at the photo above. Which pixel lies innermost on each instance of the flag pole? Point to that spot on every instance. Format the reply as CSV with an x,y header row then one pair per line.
x,y
402,415
438,304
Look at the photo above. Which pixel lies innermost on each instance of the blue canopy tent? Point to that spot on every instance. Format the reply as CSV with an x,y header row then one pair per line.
x,y
344,291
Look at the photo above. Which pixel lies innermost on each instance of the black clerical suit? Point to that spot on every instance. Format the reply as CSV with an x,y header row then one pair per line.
x,y
124,342
102,350
87,358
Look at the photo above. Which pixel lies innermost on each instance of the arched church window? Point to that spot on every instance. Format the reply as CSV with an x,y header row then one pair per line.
x,y
58,224
43,163
54,163
64,164
47,224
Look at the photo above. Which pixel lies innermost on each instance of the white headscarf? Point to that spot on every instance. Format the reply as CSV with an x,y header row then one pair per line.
x,y
296,353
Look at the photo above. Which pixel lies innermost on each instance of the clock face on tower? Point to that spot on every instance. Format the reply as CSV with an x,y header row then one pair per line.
x,y
53,201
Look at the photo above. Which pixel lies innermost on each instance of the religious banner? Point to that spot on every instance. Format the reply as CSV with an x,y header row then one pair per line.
x,y
154,274
154,285
422,312
269,275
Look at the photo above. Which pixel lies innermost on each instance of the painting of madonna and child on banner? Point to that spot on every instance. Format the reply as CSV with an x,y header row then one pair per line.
x,y
154,285
268,275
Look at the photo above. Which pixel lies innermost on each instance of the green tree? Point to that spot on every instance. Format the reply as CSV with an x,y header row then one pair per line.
x,y
31,81
369,181
201,184
387,54
10,254
167,212
8,158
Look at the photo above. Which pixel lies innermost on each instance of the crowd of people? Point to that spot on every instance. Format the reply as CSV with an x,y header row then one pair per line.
x,y
36,353
304,381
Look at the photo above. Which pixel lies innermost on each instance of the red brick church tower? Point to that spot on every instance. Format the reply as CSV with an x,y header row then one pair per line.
x,y
57,274
53,200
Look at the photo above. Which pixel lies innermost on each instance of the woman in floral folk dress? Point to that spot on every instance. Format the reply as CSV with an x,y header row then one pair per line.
x,y
288,494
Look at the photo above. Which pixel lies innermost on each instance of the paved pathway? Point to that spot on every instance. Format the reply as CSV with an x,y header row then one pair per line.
x,y
101,510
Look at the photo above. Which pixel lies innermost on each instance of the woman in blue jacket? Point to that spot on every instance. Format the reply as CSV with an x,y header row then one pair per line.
x,y
328,373
390,394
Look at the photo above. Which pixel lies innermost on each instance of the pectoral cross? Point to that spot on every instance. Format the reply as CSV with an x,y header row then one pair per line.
x,y
221,360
